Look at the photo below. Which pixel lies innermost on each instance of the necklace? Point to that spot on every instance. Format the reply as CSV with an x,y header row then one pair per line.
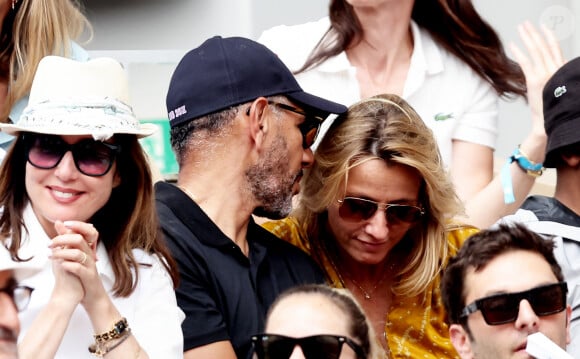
x,y
366,293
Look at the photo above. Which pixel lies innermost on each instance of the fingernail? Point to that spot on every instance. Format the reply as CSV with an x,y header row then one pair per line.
x,y
68,224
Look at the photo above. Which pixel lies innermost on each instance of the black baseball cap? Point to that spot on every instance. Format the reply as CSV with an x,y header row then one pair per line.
x,y
224,72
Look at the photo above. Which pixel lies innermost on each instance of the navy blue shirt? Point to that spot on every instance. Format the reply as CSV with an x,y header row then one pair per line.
x,y
224,294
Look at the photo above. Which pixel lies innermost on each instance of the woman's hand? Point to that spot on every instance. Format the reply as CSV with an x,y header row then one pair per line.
x,y
74,256
545,57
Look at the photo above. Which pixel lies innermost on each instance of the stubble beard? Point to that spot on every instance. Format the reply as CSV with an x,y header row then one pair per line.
x,y
270,183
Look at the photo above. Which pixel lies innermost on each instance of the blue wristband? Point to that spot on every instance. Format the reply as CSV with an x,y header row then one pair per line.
x,y
506,183
531,168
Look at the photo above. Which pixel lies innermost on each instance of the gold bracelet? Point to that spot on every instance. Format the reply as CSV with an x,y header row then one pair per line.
x,y
100,349
118,328
119,342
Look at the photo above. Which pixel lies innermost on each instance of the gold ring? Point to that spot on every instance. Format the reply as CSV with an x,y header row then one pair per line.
x,y
84,258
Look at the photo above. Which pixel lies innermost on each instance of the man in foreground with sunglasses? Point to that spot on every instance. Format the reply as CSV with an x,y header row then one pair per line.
x,y
13,298
503,285
241,129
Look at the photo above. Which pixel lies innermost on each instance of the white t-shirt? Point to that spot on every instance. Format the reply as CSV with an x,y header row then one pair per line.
x,y
448,95
151,310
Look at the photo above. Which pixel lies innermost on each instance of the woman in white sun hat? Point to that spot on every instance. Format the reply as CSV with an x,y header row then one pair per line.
x,y
78,203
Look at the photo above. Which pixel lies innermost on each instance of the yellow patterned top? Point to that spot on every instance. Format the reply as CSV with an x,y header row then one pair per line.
x,y
415,326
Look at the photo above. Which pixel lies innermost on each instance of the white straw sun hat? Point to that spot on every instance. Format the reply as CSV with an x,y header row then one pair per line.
x,y
70,97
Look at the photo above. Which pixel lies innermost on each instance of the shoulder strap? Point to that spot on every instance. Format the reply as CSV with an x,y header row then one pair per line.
x,y
556,229
528,218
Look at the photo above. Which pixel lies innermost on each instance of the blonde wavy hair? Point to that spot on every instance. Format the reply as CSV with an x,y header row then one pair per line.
x,y
382,127
33,30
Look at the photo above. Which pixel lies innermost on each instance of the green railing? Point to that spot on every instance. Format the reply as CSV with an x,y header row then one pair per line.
x,y
158,147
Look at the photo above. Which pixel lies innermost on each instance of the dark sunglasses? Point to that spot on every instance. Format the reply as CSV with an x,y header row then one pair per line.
x,y
19,294
273,346
309,128
91,158
504,308
360,209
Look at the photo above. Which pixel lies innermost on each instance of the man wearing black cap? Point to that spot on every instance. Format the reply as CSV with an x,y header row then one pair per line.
x,y
241,129
559,216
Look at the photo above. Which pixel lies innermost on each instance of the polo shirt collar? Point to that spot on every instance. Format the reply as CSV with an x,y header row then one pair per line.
x,y
336,63
196,220
426,59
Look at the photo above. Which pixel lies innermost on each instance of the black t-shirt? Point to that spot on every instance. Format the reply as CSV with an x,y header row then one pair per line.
x,y
550,209
224,294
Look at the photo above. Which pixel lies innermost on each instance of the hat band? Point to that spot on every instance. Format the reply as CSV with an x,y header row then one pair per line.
x,y
104,117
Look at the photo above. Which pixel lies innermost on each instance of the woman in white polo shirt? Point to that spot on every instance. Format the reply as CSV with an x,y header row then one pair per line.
x,y
447,63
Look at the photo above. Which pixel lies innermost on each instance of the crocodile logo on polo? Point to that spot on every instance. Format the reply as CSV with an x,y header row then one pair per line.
x,y
559,91
443,116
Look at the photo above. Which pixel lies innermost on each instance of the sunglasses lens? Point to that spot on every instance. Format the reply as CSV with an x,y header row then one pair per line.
x,y
93,158
273,346
45,151
354,209
403,213
548,300
321,347
500,309
21,297
310,133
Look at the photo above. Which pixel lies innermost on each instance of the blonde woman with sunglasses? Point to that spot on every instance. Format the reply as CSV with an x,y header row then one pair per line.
x,y
449,64
375,213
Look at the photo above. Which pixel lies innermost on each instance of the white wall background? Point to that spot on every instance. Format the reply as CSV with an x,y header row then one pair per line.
x,y
150,36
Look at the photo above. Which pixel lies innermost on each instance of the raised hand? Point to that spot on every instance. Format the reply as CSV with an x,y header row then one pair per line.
x,y
543,59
